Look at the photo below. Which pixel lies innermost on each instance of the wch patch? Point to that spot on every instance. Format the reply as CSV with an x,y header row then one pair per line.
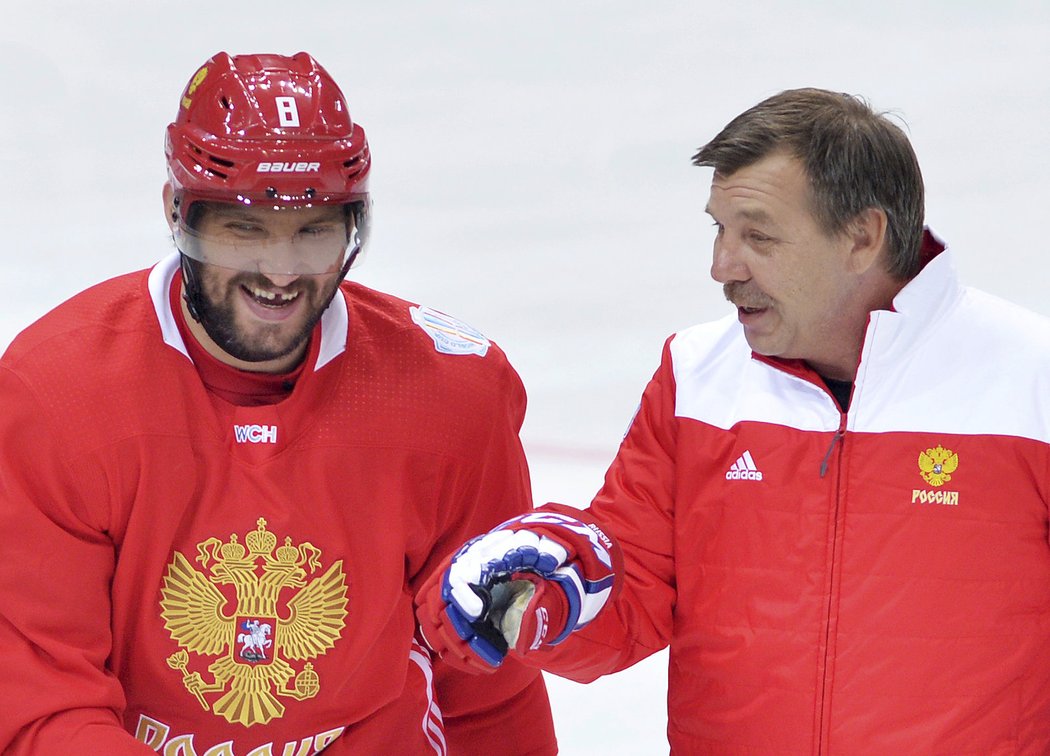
x,y
450,336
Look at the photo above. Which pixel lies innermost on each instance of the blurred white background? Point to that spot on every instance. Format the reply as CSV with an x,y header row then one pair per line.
x,y
531,175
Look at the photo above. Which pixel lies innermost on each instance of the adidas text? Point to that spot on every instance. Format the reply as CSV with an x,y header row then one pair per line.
x,y
744,468
743,475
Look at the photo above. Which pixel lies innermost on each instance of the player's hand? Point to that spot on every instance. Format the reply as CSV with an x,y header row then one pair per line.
x,y
526,584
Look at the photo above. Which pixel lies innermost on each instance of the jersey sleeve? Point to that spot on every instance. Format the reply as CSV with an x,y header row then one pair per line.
x,y
636,507
492,486
55,570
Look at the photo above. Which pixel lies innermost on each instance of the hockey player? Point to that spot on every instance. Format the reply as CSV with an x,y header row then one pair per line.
x,y
832,505
223,479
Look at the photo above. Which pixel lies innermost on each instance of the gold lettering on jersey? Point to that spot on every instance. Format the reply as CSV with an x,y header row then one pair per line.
x,y
154,734
254,643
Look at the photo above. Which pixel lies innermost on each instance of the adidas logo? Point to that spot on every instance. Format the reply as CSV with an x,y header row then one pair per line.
x,y
744,469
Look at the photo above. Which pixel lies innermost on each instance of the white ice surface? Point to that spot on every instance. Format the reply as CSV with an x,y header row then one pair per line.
x,y
531,176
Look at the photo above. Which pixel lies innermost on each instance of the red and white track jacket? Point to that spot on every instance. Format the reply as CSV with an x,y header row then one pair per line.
x,y
872,582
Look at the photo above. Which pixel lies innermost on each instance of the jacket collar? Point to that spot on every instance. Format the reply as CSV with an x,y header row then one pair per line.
x,y
937,284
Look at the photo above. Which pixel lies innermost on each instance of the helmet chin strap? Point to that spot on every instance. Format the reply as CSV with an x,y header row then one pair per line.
x,y
191,287
355,241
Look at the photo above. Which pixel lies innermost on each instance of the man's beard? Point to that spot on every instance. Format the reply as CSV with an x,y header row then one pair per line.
x,y
216,312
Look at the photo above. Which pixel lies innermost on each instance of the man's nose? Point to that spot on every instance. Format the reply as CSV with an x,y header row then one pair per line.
x,y
727,263
279,261
280,280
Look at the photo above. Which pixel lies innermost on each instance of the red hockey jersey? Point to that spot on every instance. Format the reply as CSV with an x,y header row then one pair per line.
x,y
868,582
191,578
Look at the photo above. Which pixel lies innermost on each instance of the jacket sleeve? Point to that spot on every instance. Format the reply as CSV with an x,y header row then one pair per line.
x,y
506,712
55,569
636,508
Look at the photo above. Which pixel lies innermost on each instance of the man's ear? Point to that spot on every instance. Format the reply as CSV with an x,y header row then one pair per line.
x,y
170,213
867,236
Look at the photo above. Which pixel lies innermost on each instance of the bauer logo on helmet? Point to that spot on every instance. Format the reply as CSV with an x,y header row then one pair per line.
x,y
288,168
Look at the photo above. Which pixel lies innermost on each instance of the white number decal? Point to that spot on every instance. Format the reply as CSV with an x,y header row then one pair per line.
x,y
287,111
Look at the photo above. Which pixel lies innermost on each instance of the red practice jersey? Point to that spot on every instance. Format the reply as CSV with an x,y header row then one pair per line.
x,y
187,576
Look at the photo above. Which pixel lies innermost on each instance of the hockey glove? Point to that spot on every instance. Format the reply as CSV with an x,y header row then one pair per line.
x,y
526,584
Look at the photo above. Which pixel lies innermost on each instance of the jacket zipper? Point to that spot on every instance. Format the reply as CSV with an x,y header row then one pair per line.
x,y
831,448
837,440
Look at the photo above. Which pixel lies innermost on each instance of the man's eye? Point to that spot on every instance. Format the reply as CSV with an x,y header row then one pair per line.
x,y
243,229
759,238
316,232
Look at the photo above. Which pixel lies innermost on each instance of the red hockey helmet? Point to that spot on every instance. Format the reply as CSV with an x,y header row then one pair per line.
x,y
266,131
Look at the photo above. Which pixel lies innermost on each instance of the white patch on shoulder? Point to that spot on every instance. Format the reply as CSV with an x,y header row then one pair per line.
x,y
450,336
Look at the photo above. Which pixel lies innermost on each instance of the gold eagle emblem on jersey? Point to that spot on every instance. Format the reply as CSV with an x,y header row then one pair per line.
x,y
937,465
264,632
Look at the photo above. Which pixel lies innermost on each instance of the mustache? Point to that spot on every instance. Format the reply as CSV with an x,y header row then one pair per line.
x,y
745,294
259,281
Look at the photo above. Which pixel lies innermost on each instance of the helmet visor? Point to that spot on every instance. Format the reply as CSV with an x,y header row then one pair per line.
x,y
308,240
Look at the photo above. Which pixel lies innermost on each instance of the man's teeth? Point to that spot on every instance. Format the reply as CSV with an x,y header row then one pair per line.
x,y
271,296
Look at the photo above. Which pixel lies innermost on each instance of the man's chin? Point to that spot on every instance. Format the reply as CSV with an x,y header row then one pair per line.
x,y
266,346
261,354
762,346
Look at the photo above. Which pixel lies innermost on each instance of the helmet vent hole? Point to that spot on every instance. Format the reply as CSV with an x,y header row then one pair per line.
x,y
225,103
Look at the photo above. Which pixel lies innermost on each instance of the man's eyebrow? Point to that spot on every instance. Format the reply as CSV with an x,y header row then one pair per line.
x,y
243,213
755,214
748,213
230,211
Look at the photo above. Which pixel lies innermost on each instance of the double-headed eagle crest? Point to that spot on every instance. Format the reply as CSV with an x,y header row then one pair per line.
x,y
937,465
256,640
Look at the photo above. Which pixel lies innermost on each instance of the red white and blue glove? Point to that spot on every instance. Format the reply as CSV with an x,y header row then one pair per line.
x,y
525,584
